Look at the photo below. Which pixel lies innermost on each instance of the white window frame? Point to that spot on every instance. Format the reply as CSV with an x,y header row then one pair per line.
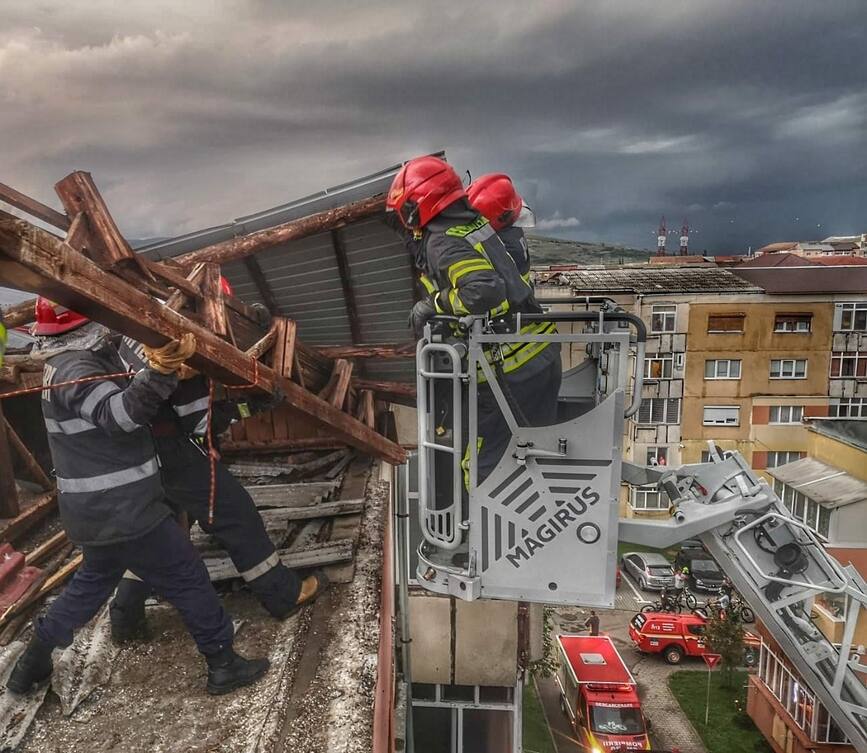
x,y
657,451
458,707
667,312
647,498
669,405
798,330
850,310
735,408
783,457
786,414
663,357
784,684
853,407
858,359
804,509
794,367
722,368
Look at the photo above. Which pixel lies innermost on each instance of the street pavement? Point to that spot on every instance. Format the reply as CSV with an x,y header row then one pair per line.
x,y
670,727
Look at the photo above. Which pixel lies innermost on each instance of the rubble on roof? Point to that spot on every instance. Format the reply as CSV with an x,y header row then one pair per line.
x,y
648,280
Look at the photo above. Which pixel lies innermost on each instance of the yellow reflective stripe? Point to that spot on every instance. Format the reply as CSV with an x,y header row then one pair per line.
x,y
501,310
438,305
465,461
428,284
2,341
456,303
461,231
516,355
461,268
526,278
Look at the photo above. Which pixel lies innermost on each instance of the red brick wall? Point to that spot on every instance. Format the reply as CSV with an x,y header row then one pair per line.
x,y
761,415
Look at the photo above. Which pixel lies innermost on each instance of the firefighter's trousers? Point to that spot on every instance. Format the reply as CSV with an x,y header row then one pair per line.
x,y
166,562
237,526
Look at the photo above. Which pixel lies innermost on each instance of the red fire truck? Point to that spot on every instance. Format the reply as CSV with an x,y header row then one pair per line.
x,y
599,695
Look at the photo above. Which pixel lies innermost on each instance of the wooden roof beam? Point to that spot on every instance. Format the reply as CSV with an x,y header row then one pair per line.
x,y
32,259
34,208
321,222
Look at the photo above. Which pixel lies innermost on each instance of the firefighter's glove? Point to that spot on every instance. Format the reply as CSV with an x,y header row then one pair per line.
x,y
421,313
260,404
169,358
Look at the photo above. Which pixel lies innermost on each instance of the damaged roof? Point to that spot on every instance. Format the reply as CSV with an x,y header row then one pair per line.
x,y
823,483
305,277
649,280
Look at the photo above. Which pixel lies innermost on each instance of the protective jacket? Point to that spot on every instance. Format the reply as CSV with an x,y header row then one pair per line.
x,y
469,271
108,476
516,244
185,412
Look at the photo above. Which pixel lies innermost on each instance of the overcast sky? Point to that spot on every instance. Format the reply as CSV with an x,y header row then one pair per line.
x,y
749,117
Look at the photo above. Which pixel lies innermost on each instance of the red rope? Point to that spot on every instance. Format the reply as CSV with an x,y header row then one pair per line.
x,y
212,454
72,382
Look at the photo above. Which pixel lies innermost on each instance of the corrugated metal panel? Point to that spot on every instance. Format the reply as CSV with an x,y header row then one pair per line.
x,y
305,279
822,483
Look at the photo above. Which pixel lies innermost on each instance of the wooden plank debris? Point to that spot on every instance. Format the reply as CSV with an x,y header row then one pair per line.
x,y
32,259
293,495
9,507
220,566
213,309
321,222
399,351
20,314
30,516
33,207
30,464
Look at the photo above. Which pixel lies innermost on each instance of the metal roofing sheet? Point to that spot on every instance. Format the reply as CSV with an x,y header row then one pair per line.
x,y
305,279
820,482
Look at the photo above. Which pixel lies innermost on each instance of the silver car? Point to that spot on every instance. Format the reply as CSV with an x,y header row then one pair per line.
x,y
651,570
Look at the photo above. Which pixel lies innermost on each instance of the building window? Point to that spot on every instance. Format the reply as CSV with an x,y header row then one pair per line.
x,y
786,414
789,368
721,415
663,318
722,323
809,512
796,698
796,323
647,498
464,718
656,456
845,364
781,457
849,407
659,410
852,316
722,369
658,367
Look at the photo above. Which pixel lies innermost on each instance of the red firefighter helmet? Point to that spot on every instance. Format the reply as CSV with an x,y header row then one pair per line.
x,y
494,195
422,189
54,319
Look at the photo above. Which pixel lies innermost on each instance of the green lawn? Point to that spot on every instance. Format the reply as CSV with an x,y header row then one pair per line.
x,y
537,736
728,729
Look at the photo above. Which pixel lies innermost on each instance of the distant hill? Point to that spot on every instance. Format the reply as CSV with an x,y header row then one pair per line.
x,y
545,251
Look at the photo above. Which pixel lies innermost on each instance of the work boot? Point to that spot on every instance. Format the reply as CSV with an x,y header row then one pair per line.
x,y
128,623
228,671
33,668
312,587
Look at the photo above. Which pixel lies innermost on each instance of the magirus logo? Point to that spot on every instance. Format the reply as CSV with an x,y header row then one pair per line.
x,y
521,522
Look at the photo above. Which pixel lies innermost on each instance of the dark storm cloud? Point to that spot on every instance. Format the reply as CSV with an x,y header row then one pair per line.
x,y
742,115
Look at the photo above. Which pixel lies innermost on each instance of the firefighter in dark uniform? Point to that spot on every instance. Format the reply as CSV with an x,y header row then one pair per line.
x,y
112,500
179,430
467,270
495,197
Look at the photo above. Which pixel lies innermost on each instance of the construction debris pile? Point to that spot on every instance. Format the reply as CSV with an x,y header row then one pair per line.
x,y
307,465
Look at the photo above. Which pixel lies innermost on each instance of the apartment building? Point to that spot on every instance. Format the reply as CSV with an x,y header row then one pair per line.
x,y
827,491
740,356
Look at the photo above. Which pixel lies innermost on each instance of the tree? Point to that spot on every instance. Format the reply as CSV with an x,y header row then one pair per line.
x,y
725,636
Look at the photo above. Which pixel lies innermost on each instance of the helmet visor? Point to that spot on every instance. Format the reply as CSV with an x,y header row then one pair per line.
x,y
527,217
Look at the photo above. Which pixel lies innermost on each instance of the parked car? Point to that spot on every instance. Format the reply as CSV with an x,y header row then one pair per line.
x,y
678,635
651,570
704,573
